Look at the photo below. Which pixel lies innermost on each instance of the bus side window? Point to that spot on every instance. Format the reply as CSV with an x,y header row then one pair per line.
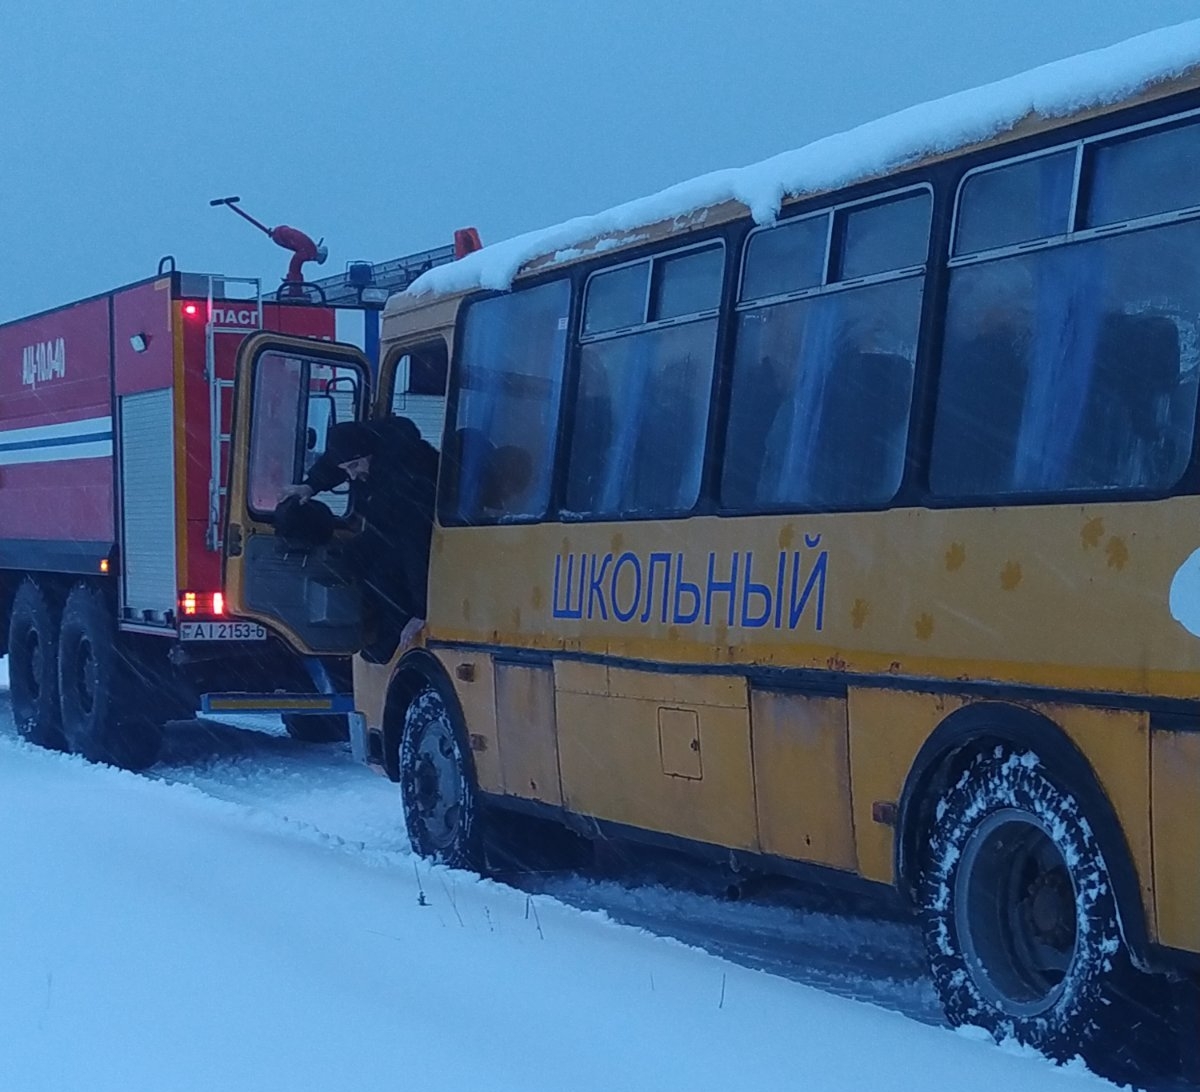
x,y
641,409
508,387
419,389
823,374
1137,371
1072,366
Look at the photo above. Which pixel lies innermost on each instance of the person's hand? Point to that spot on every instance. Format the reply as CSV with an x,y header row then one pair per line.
x,y
304,492
409,633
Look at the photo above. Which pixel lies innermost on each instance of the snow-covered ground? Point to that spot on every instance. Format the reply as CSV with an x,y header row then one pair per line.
x,y
249,918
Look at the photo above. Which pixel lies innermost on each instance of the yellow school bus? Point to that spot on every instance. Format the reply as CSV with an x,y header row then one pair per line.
x,y
858,538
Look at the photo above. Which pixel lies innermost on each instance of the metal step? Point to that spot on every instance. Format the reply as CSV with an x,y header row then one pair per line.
x,y
276,703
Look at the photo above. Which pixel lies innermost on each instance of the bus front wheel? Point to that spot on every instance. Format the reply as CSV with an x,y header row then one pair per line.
x,y
1019,915
437,785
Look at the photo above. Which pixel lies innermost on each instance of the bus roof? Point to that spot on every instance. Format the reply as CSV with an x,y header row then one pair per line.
x,y
1146,67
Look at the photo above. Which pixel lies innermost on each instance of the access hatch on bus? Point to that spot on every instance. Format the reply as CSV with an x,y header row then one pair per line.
x,y
289,393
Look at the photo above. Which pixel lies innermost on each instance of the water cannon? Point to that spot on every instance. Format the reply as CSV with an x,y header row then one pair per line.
x,y
301,245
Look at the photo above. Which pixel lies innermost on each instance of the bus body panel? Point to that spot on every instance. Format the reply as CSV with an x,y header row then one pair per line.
x,y
474,677
802,782
668,753
1084,606
526,732
1175,772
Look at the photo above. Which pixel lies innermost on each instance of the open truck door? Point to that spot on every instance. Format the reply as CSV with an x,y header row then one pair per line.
x,y
288,393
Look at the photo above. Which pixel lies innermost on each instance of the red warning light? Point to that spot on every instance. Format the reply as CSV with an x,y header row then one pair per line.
x,y
190,309
218,603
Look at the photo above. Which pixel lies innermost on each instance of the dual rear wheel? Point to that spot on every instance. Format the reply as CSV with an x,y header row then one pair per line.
x,y
70,686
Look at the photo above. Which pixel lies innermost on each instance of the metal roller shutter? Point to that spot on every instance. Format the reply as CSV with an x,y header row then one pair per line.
x,y
148,491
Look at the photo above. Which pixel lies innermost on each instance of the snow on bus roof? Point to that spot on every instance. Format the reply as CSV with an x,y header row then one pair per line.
x,y
1056,90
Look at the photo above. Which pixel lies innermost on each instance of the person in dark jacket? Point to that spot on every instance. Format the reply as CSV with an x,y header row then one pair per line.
x,y
392,473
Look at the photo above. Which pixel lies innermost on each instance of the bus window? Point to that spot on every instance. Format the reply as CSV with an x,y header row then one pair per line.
x,y
1074,368
1016,203
689,284
617,300
1146,174
509,383
419,389
822,385
788,258
642,403
880,237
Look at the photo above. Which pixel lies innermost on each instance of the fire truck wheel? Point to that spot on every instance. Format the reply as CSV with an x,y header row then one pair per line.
x,y
97,693
437,785
317,727
33,667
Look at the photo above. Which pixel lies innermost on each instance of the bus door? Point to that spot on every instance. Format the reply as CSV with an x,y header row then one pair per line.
x,y
289,392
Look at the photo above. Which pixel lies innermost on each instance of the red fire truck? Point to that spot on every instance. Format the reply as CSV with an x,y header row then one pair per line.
x,y
114,422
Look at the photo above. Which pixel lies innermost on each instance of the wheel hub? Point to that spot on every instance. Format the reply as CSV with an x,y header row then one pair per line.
x,y
1014,911
1049,905
438,788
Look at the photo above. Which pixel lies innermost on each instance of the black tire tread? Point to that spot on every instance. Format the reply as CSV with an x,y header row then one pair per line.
x,y
36,715
116,730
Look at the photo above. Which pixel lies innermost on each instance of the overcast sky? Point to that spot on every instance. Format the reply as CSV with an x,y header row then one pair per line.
x,y
384,126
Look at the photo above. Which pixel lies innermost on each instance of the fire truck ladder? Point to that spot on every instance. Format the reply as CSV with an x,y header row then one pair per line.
x,y
248,290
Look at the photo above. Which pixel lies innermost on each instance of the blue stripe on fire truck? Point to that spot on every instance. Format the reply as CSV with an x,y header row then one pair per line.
x,y
87,439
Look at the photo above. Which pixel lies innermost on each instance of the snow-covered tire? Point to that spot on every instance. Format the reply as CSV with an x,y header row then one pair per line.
x,y
1019,914
317,727
437,784
33,667
103,706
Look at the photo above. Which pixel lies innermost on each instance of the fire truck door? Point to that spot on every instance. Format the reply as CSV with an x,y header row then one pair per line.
x,y
288,392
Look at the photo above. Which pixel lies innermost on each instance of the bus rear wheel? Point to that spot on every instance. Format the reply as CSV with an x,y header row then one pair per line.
x,y
101,705
1019,916
437,785
33,667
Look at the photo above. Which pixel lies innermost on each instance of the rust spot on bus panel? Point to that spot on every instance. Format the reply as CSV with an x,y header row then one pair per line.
x,y
787,535
538,597
618,542
1010,575
924,626
955,556
516,618
1117,552
466,610
1092,533
859,612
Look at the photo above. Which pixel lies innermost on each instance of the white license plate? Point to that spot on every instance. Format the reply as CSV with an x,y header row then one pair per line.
x,y
221,631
